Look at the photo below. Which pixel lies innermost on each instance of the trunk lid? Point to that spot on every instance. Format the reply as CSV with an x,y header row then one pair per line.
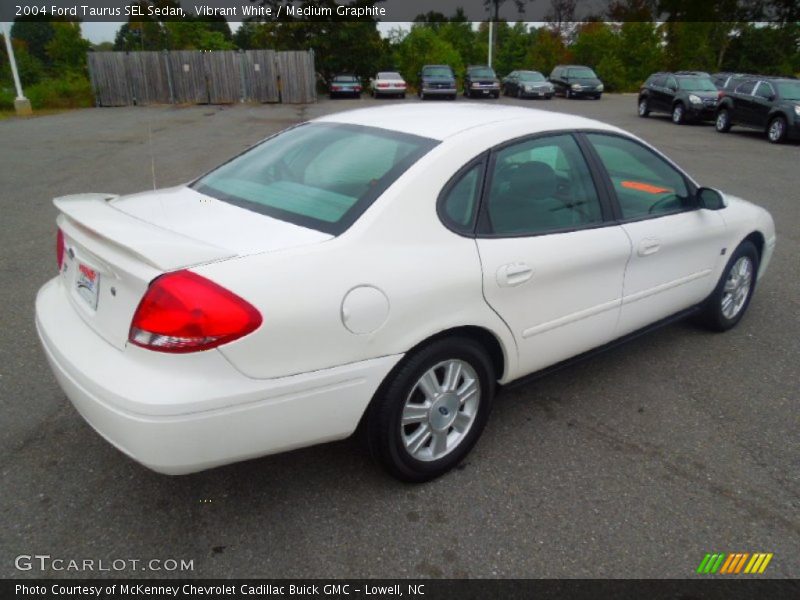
x,y
115,246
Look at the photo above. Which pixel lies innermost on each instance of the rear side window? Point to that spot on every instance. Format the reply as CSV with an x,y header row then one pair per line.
x,y
645,184
539,186
745,88
764,90
460,200
317,175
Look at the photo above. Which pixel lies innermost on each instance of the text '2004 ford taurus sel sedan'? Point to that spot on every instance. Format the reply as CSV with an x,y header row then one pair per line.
x,y
387,267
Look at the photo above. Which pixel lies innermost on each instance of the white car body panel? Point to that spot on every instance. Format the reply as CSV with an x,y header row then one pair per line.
x,y
339,315
558,297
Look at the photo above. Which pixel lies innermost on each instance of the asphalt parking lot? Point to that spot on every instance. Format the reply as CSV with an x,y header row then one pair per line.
x,y
632,464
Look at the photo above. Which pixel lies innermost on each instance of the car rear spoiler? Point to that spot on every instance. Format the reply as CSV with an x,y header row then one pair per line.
x,y
160,248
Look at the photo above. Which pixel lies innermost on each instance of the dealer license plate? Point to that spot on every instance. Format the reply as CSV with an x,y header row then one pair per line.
x,y
87,285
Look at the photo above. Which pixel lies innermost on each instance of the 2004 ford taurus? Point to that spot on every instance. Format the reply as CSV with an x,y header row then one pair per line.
x,y
383,270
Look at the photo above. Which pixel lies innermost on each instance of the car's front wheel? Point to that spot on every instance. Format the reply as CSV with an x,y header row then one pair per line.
x,y
729,301
432,409
723,121
678,114
776,131
644,108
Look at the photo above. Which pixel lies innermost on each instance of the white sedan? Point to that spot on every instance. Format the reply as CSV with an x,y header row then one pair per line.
x,y
388,83
384,268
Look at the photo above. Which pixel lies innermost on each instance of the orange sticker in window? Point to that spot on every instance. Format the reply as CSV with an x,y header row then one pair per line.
x,y
645,187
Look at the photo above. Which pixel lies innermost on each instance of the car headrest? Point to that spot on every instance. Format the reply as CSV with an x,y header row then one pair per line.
x,y
534,180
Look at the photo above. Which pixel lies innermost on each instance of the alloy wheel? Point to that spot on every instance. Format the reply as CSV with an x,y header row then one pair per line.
x,y
737,287
440,410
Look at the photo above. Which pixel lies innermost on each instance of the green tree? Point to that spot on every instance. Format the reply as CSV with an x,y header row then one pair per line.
x,y
192,34
512,51
422,47
31,70
34,33
67,49
640,50
547,50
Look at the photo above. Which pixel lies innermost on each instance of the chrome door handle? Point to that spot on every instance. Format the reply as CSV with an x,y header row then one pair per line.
x,y
513,274
648,246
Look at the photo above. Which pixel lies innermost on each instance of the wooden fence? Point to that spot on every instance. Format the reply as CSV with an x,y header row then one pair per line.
x,y
193,77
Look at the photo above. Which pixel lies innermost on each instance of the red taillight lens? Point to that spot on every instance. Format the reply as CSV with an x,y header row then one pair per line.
x,y
60,248
184,312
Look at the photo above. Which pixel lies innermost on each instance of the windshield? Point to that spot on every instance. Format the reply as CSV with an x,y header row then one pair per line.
x,y
482,72
317,175
696,84
437,72
788,90
531,76
582,73
388,75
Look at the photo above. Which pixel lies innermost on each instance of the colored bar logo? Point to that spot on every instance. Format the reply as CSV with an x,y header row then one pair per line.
x,y
734,563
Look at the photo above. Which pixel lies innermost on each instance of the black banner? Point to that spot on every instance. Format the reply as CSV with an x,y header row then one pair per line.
x,y
283,589
401,10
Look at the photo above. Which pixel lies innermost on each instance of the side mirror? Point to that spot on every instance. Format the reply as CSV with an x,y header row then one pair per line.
x,y
673,88
710,199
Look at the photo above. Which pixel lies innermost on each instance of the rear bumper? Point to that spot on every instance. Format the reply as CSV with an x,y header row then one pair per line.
x,y
184,413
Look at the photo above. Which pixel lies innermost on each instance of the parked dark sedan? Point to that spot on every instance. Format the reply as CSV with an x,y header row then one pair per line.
x,y
683,96
437,80
771,104
345,85
527,84
481,81
576,81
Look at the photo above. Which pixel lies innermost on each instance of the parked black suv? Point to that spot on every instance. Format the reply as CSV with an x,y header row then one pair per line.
x,y
576,81
437,80
771,104
481,81
683,95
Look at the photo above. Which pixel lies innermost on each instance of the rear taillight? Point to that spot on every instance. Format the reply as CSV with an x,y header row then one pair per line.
x,y
60,249
184,312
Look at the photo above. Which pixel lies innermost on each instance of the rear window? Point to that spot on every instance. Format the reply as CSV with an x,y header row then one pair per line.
x,y
345,78
437,72
481,72
317,175
389,75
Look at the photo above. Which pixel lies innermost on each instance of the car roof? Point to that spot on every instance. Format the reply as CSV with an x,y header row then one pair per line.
x,y
437,121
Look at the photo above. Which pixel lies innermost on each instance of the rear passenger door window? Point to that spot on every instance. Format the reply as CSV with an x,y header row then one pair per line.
x,y
539,186
645,184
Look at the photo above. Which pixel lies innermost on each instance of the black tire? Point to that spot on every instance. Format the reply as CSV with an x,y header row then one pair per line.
x,y
422,95
679,113
383,427
496,95
403,95
777,130
519,93
723,121
712,315
453,97
598,96
643,108
567,94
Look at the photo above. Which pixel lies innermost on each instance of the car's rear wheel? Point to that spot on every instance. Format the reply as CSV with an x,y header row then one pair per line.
x,y
776,130
644,108
729,301
519,93
567,94
723,121
678,114
432,409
